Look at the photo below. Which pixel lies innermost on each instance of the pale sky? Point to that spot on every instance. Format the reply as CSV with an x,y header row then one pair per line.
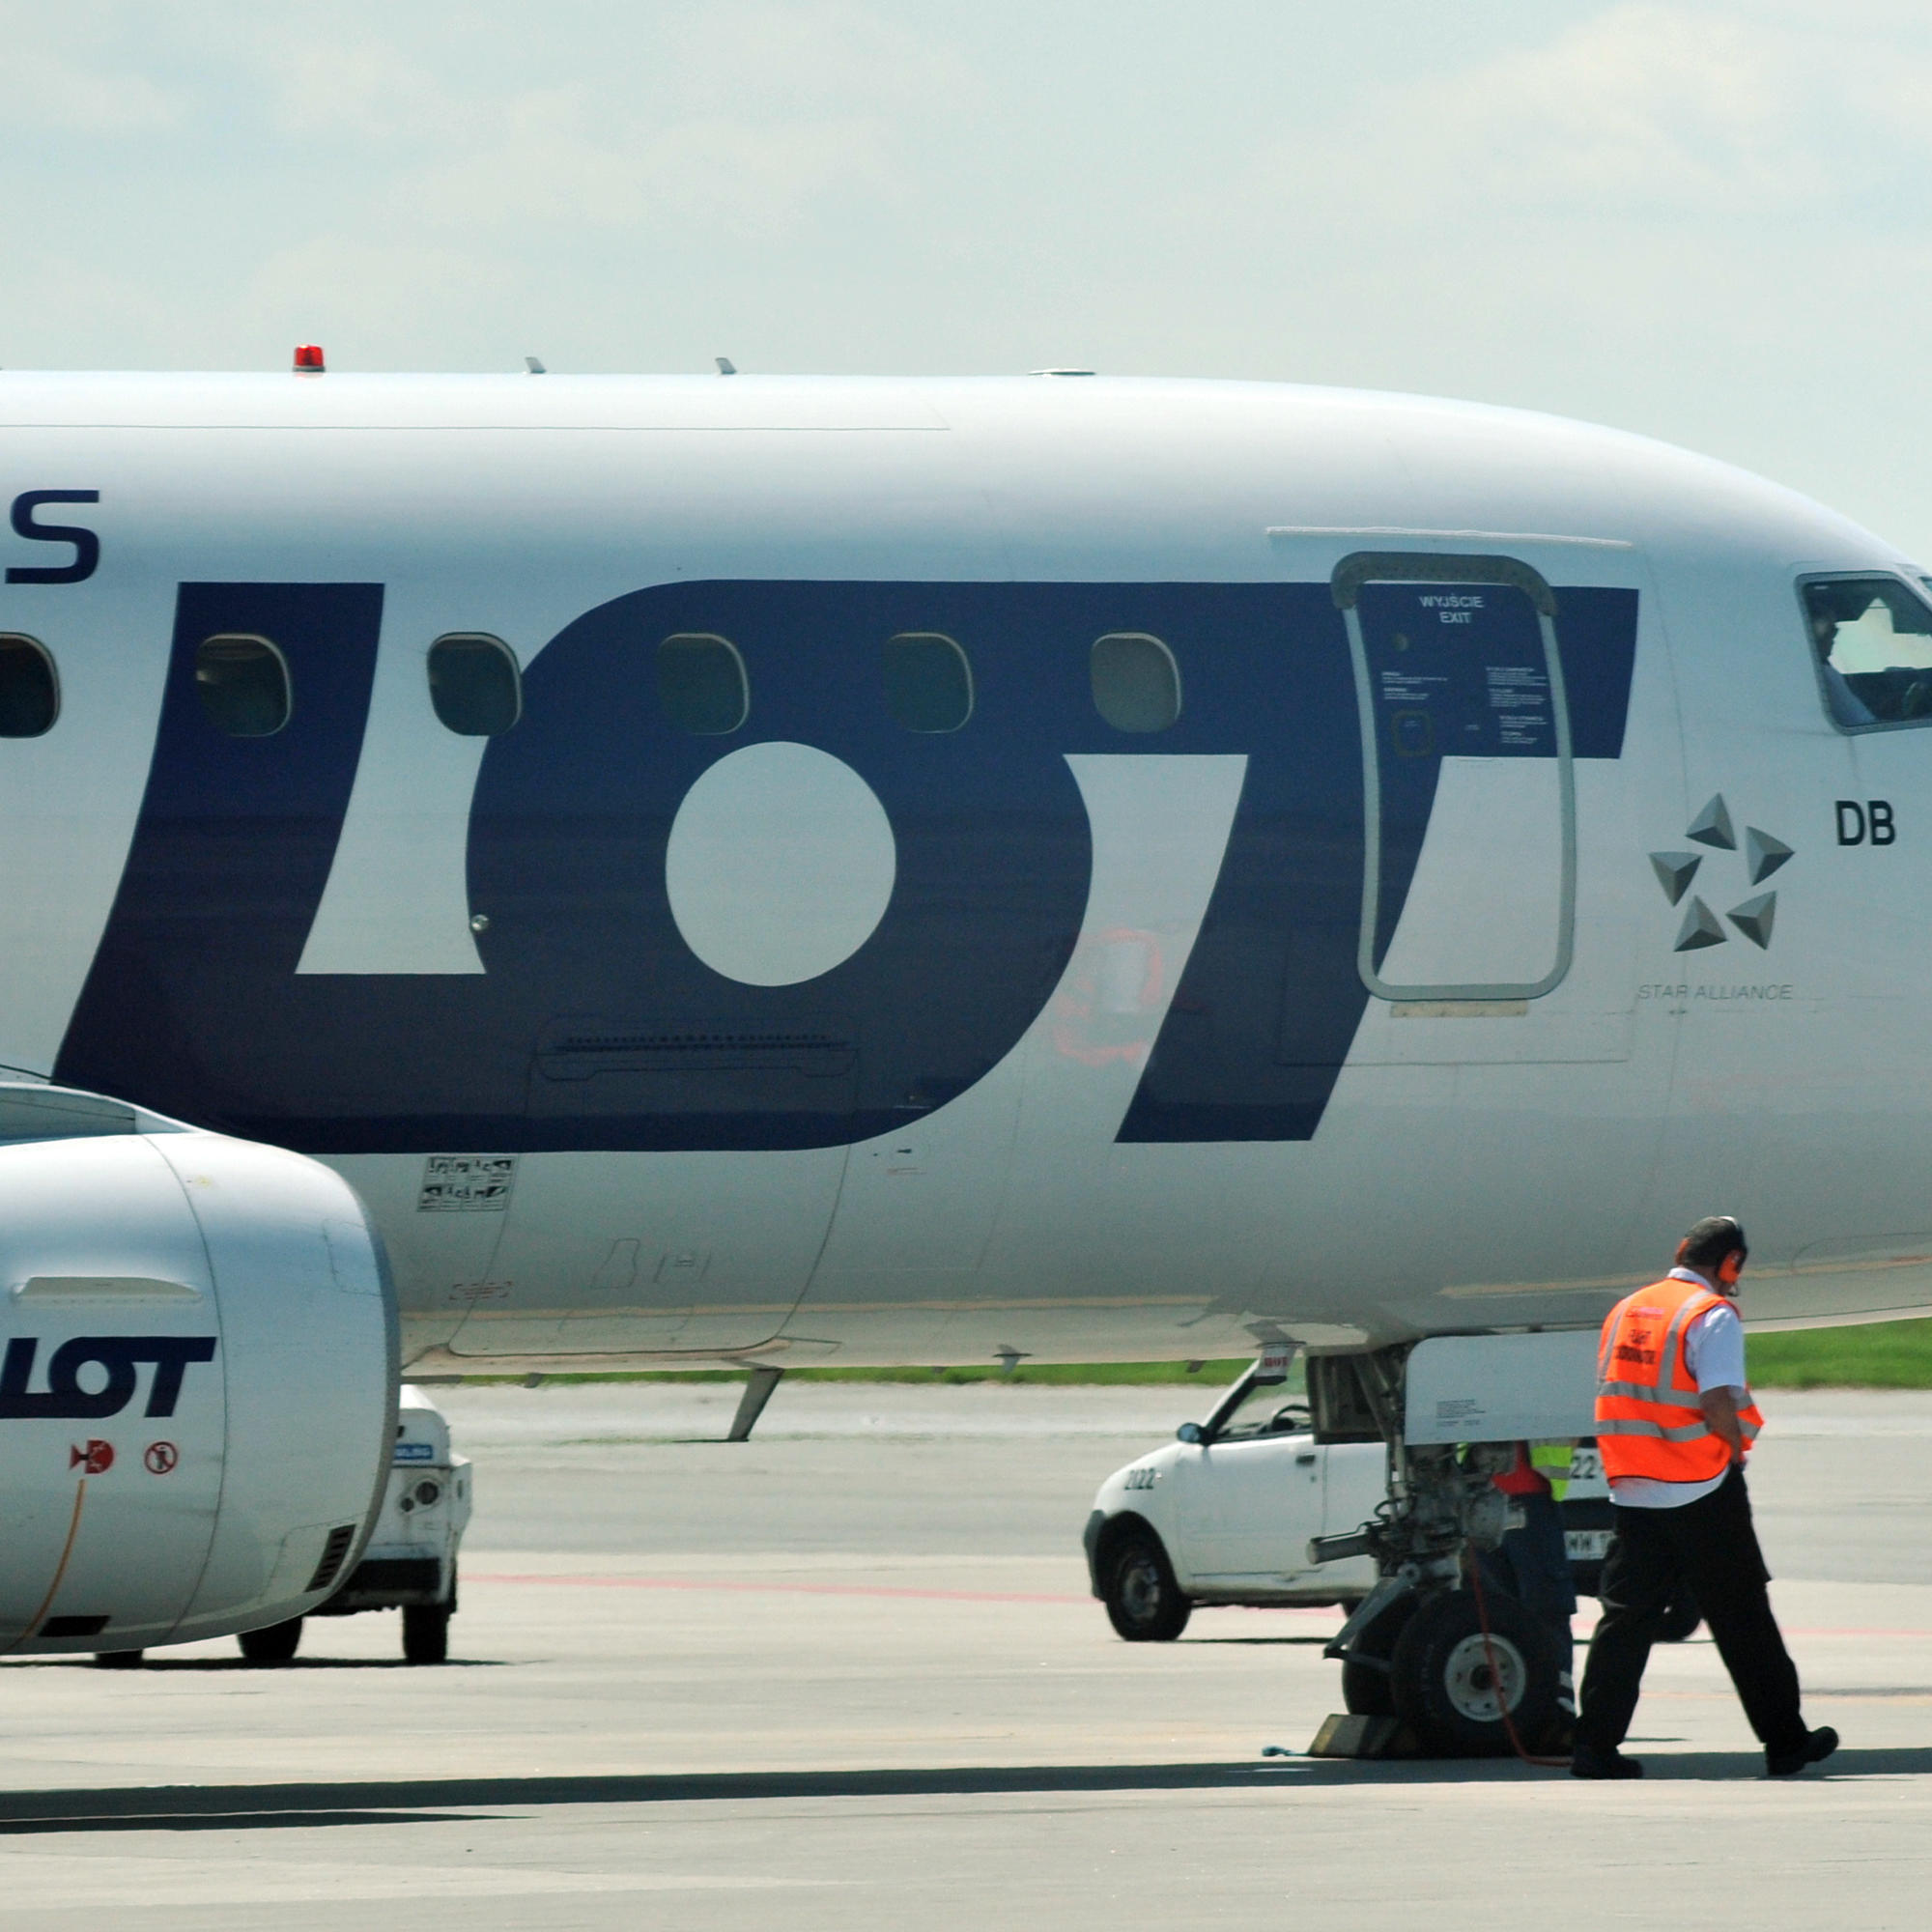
x,y
1708,222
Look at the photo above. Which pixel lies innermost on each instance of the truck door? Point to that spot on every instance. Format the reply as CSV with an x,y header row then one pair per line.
x,y
1259,1489
1469,873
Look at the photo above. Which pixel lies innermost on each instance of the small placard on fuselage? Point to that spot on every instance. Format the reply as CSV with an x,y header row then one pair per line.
x,y
466,1183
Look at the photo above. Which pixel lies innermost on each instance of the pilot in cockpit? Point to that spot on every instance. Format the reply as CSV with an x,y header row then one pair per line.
x,y
1846,706
1873,639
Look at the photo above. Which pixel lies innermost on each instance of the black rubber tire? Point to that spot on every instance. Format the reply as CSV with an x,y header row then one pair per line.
x,y
1441,1679
273,1643
1681,1619
426,1632
118,1659
1366,1692
1143,1598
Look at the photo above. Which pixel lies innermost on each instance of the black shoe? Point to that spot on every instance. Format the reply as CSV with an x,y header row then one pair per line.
x,y
1818,1745
1590,1762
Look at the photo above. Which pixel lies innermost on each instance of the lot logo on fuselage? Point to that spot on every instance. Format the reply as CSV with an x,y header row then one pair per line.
x,y
1763,855
119,1355
597,1026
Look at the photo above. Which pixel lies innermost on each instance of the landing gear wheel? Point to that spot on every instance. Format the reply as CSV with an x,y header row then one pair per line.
x,y
118,1659
276,1643
426,1632
1446,1691
1366,1676
1680,1620
1143,1599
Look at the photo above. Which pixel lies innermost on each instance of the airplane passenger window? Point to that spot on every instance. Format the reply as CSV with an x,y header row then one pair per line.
x,y
928,682
701,684
243,685
475,685
1136,682
29,690
1873,639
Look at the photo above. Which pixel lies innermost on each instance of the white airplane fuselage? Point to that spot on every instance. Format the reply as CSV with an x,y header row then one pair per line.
x,y
1394,869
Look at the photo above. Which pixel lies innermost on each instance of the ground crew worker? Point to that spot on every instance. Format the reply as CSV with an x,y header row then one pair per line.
x,y
1674,1421
1533,1564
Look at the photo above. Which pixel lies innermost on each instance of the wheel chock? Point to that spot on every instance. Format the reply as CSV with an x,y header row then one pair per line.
x,y
1348,1735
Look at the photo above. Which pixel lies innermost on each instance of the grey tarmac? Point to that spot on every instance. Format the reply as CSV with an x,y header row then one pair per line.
x,y
849,1674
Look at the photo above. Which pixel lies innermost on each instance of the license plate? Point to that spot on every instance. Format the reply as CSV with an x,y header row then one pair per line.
x,y
1588,1546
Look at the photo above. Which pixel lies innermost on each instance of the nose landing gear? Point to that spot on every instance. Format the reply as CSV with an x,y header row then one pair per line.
x,y
1416,1648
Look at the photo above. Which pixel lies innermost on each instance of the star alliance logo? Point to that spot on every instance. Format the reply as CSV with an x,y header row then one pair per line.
x,y
1763,855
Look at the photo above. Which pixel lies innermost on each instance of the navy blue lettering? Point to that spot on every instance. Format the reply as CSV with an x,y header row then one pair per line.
x,y
596,1026
86,543
121,1355
1270,1000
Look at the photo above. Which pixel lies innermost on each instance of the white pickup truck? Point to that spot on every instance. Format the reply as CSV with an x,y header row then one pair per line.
x,y
409,1563
1222,1515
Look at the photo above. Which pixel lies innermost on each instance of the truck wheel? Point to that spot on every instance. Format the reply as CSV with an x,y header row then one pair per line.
x,y
118,1659
1367,1675
1144,1601
1681,1619
1445,1689
276,1643
426,1632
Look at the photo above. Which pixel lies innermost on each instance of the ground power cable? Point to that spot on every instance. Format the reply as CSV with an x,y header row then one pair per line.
x,y
1496,1681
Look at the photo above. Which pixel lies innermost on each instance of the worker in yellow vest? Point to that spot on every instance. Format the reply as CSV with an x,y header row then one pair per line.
x,y
1674,1422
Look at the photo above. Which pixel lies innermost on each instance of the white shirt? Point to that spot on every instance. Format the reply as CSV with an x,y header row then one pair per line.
x,y
1713,1351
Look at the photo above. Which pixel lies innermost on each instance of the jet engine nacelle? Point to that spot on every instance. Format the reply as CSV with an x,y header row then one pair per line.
x,y
197,1378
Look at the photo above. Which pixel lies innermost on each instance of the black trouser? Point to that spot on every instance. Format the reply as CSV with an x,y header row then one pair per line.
x,y
1711,1546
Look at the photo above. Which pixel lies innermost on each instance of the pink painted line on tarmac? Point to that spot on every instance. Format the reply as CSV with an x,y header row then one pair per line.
x,y
813,1590
779,1589
906,1594
901,1593
1703,1635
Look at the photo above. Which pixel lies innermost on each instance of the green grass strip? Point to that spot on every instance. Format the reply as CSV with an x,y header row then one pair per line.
x,y
1216,1375
1878,1354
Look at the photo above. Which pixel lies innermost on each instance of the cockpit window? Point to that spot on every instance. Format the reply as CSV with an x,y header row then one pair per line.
x,y
1873,641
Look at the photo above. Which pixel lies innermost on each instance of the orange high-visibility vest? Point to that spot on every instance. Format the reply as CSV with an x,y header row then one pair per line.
x,y
1648,1420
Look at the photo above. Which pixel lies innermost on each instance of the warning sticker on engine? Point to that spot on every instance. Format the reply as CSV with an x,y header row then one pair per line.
x,y
473,1183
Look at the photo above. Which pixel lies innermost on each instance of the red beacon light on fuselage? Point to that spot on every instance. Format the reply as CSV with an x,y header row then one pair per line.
x,y
308,360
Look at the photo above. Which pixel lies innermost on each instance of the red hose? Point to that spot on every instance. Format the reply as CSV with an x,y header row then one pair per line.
x,y
1496,1679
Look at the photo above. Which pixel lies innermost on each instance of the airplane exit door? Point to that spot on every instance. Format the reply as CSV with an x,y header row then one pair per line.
x,y
1469,868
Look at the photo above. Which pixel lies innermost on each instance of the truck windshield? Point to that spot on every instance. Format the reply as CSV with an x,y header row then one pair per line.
x,y
1280,1409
